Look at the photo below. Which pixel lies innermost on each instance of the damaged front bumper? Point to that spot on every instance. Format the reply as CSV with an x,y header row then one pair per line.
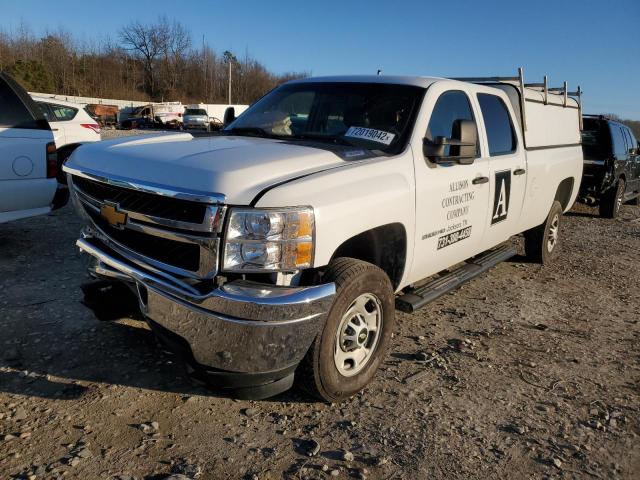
x,y
241,335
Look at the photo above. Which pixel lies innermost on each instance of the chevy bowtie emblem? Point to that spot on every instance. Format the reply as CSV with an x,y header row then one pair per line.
x,y
110,213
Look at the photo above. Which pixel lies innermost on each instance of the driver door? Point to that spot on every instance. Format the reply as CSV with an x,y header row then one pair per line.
x,y
451,198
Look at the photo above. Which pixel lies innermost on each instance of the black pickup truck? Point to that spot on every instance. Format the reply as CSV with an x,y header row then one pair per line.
x,y
611,173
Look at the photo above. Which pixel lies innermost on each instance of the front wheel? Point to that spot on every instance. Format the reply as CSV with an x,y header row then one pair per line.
x,y
541,242
347,352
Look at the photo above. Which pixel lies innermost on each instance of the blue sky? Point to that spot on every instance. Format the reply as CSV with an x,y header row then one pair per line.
x,y
595,44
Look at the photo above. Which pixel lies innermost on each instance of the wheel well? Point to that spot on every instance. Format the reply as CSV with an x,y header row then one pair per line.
x,y
64,153
66,150
564,192
385,247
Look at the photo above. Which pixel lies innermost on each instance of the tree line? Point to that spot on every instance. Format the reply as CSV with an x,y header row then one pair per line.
x,y
148,62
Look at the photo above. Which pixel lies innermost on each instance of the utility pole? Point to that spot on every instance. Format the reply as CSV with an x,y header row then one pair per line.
x,y
204,65
230,58
229,82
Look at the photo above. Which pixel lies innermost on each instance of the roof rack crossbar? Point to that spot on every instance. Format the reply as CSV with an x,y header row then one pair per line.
x,y
487,79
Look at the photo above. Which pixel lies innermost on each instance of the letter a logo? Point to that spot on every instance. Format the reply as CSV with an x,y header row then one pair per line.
x,y
501,208
501,196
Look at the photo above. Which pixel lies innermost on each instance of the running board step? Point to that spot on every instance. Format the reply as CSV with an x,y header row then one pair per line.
x,y
418,298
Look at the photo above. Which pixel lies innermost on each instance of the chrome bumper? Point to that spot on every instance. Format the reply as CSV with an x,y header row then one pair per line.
x,y
241,327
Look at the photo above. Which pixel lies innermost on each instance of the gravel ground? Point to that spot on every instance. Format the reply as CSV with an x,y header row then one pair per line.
x,y
526,372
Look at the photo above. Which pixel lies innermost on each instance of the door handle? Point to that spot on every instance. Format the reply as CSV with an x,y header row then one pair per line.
x,y
479,180
519,171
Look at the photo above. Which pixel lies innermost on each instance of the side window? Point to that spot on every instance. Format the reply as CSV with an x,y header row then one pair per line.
x,y
634,141
450,106
62,113
619,146
500,133
13,113
630,142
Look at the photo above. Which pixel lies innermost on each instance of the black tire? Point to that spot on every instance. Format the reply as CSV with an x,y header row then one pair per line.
x,y
318,373
612,200
537,242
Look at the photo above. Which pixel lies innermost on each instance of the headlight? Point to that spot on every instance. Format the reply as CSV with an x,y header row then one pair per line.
x,y
269,240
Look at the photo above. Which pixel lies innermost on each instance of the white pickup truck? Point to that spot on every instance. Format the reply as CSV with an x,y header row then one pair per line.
x,y
281,248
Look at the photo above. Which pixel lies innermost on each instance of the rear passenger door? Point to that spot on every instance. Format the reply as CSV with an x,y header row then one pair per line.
x,y
56,128
507,169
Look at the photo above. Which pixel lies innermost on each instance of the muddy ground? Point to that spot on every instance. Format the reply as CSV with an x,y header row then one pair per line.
x,y
527,372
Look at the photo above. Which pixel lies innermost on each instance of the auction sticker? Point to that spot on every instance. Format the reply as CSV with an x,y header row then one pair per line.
x,y
371,134
454,237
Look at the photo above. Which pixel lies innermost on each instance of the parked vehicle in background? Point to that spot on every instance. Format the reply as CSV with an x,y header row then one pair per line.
x,y
105,115
28,160
611,165
196,118
216,112
166,114
71,125
281,248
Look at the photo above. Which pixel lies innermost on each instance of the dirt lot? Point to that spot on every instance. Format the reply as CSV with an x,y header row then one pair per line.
x,y
529,372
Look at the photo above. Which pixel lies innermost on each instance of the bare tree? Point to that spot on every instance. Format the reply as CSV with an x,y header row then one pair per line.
x,y
147,42
144,62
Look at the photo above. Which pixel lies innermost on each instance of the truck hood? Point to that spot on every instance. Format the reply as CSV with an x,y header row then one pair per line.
x,y
237,167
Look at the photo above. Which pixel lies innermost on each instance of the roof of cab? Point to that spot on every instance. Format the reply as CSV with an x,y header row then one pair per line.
x,y
389,79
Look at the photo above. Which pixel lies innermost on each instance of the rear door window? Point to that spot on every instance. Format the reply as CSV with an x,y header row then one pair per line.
x,y
627,136
62,113
497,121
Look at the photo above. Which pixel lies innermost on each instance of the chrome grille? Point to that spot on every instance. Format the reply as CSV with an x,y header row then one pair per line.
x,y
171,234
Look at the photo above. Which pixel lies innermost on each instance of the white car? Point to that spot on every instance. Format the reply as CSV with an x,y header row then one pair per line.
x,y
196,118
281,248
71,125
28,161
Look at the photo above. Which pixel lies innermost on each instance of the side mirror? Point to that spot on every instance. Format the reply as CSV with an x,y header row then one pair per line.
x,y
463,144
229,115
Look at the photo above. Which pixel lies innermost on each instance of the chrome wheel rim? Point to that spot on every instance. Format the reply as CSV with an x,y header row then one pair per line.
x,y
620,197
358,335
552,236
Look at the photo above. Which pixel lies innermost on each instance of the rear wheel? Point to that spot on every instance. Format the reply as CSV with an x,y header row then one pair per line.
x,y
612,200
541,242
347,352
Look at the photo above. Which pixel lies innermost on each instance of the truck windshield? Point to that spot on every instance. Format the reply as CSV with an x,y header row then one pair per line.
x,y
375,116
195,111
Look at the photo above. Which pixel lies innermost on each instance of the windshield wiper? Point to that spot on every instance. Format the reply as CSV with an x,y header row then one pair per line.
x,y
251,131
